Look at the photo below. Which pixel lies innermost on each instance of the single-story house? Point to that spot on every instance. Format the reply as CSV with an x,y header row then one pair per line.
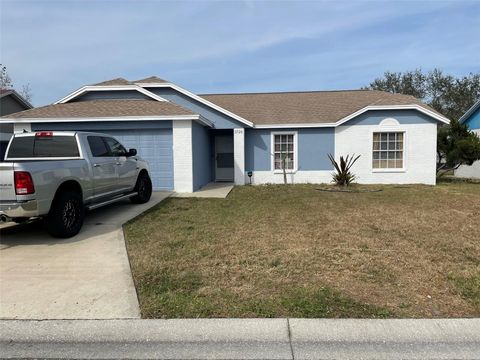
x,y
10,102
472,119
191,140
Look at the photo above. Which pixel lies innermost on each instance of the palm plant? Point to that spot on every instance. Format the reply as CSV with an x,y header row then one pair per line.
x,y
343,175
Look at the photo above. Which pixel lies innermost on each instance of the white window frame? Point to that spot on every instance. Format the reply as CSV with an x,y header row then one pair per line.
x,y
295,151
390,129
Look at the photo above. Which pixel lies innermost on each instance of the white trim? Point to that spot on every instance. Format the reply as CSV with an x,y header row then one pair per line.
x,y
299,177
199,99
182,156
294,126
239,155
20,127
295,151
390,129
438,117
389,122
469,112
198,118
89,88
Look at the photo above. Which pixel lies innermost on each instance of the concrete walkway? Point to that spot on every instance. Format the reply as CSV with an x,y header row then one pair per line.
x,y
84,277
212,190
242,339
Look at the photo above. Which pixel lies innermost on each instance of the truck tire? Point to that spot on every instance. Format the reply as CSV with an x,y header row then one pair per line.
x,y
65,218
143,188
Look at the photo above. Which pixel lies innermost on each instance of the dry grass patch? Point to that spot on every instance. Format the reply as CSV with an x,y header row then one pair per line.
x,y
275,251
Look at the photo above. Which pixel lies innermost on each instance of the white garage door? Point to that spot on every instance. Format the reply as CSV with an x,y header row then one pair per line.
x,y
155,146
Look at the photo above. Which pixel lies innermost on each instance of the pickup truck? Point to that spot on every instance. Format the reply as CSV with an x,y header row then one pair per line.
x,y
57,175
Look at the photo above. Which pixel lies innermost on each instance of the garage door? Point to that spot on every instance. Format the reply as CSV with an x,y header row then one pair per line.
x,y
155,146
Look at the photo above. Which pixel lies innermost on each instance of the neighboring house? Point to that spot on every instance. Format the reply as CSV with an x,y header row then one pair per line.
x,y
191,140
10,102
472,119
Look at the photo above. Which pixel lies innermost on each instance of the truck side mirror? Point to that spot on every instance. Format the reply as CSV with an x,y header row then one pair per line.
x,y
132,152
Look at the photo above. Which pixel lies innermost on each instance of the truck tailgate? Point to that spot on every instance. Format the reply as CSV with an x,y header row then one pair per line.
x,y
7,187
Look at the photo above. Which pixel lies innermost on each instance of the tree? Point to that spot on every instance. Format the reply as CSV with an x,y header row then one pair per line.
x,y
447,94
6,83
26,92
456,146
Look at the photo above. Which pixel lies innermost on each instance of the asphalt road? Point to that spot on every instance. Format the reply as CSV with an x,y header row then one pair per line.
x,y
242,339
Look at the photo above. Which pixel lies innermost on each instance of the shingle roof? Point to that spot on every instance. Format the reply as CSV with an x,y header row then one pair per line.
x,y
305,107
122,81
117,81
5,91
150,80
104,108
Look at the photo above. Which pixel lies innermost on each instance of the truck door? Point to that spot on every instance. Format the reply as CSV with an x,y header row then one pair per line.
x,y
105,176
126,166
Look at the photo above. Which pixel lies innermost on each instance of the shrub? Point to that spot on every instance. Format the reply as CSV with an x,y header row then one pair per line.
x,y
343,176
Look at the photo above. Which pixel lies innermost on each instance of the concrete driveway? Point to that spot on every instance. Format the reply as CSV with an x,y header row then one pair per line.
x,y
84,277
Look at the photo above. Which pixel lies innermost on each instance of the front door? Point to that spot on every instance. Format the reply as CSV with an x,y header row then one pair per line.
x,y
224,168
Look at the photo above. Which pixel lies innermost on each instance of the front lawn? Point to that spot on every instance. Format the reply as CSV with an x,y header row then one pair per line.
x,y
294,251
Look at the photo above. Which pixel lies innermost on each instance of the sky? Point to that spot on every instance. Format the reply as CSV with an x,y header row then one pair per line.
x,y
232,46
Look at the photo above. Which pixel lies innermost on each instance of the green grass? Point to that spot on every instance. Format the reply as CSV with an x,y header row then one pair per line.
x,y
278,251
468,287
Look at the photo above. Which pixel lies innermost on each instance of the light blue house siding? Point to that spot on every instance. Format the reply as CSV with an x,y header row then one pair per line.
x,y
202,156
313,146
473,121
152,139
104,126
110,95
220,121
404,117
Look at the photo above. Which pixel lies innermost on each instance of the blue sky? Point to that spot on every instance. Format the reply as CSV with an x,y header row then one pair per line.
x,y
233,46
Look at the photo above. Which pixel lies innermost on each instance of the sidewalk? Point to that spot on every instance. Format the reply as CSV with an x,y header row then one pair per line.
x,y
242,339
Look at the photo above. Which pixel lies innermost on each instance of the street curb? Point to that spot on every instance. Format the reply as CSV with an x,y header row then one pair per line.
x,y
242,338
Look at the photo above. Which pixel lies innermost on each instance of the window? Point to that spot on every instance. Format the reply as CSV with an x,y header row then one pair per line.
x,y
284,151
388,150
97,146
39,146
116,148
21,147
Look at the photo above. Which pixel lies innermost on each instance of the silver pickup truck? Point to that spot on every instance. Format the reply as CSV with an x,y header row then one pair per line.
x,y
58,175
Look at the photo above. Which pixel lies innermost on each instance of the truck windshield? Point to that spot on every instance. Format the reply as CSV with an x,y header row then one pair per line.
x,y
49,146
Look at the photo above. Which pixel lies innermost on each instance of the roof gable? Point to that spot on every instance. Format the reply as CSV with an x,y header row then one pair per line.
x,y
89,88
465,117
15,95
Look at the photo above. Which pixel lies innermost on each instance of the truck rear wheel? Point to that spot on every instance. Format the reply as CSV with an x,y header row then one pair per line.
x,y
143,188
65,218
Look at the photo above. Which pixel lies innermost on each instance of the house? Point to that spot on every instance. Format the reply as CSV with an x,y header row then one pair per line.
x,y
10,102
191,140
472,119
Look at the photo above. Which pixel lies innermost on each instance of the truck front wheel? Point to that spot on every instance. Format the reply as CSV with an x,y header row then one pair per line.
x,y
65,218
143,188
